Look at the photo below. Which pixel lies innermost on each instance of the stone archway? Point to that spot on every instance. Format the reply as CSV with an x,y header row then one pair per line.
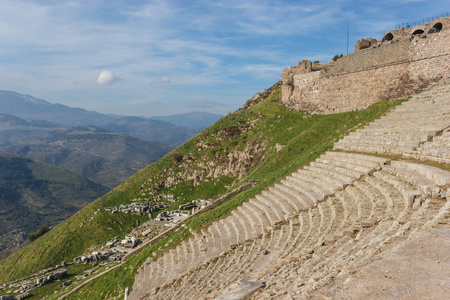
x,y
388,37
436,28
418,31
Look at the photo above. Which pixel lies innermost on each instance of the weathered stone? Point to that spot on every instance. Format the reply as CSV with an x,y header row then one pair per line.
x,y
391,70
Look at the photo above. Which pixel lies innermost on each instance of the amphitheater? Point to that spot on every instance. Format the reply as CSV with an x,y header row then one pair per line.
x,y
368,220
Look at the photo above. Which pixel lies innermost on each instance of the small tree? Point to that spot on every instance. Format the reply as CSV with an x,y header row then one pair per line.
x,y
42,230
337,56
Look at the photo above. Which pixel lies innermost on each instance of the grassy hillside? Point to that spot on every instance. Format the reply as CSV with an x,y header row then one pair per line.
x,y
263,141
33,193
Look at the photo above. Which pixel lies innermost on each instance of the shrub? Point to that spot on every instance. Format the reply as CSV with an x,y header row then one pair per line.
x,y
363,47
177,157
337,56
42,230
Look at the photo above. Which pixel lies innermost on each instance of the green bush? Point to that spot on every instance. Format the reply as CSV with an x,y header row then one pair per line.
x,y
42,230
363,47
337,56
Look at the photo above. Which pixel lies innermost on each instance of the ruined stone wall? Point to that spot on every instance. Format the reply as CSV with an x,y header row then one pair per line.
x,y
392,69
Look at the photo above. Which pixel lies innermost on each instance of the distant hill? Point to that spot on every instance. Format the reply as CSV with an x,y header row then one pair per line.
x,y
33,193
196,119
92,152
30,108
153,130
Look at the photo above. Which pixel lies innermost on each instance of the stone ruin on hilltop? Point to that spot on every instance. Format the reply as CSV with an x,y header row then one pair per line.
x,y
406,61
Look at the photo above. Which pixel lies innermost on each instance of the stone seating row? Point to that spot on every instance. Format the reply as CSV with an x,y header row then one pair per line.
x,y
355,220
265,211
436,150
398,132
244,237
329,266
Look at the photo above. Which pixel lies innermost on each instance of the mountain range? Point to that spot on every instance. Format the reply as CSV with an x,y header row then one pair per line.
x,y
30,108
103,157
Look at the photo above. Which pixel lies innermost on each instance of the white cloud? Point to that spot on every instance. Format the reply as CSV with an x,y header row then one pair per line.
x,y
107,77
161,81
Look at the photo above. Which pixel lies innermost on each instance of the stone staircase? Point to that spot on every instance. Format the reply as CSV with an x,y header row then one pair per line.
x,y
438,149
408,128
299,235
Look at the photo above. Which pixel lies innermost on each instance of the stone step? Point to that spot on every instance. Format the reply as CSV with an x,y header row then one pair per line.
x,y
252,210
324,179
302,194
215,243
408,192
428,157
383,149
349,173
347,209
355,166
379,206
193,253
411,135
436,175
332,246
224,241
301,233
435,152
232,235
367,160
340,216
364,204
250,228
320,189
285,206
239,227
311,190
267,211
442,141
272,206
335,174
293,201
387,141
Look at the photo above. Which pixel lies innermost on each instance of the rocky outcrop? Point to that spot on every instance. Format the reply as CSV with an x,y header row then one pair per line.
x,y
236,163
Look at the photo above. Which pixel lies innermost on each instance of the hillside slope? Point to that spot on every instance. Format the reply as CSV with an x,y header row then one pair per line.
x,y
263,141
33,193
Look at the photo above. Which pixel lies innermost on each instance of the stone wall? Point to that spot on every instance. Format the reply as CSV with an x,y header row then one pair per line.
x,y
400,65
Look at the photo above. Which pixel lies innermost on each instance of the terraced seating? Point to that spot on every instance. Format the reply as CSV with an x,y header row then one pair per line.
x,y
299,235
398,132
437,150
276,229
265,211
370,216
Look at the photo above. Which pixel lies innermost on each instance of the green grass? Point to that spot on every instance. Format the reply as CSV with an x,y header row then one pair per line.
x,y
304,139
265,124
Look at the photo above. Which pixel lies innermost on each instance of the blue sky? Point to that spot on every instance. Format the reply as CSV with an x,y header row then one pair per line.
x,y
164,57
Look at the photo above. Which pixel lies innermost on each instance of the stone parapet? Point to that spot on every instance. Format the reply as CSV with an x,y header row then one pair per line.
x,y
394,68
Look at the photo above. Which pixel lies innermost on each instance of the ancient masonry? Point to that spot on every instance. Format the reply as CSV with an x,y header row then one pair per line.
x,y
328,229
405,62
